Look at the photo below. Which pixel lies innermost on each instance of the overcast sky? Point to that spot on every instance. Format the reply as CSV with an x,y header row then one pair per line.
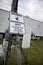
x,y
5,4
31,8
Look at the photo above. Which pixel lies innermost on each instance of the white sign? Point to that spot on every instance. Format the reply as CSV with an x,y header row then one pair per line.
x,y
16,24
16,28
5,4
16,17
5,44
26,38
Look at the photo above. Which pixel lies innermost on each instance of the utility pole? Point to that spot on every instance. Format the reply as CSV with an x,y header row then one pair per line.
x,y
18,43
14,6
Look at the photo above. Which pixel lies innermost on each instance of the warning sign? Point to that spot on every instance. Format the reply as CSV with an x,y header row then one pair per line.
x,y
16,24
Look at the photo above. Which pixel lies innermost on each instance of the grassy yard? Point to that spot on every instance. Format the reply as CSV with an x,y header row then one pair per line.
x,y
35,54
0,41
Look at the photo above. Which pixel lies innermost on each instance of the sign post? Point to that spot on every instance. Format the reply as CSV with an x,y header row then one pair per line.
x,y
17,27
18,50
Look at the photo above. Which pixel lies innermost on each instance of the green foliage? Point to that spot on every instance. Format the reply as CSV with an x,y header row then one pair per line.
x,y
34,53
1,40
1,61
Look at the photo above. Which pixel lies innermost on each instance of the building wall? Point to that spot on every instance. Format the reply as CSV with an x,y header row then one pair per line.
x,y
31,25
36,26
4,22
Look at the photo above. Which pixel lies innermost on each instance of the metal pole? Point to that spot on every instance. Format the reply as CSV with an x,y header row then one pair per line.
x,y
18,50
14,9
5,47
5,59
14,6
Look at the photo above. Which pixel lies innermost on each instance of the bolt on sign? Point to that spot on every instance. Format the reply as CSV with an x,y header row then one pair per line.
x,y
16,24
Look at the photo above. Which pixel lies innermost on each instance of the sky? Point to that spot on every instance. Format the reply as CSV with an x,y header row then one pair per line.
x,y
5,4
31,8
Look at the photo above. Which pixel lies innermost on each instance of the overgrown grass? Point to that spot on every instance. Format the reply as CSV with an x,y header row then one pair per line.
x,y
35,54
1,61
1,40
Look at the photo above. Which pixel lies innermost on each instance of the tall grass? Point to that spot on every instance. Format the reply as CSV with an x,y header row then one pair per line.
x,y
35,54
